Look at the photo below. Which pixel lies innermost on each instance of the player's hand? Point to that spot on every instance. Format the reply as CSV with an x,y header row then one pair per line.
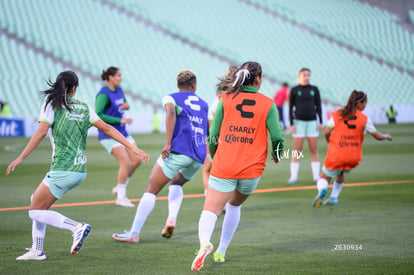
x,y
320,127
125,106
275,160
140,153
126,120
388,137
13,165
166,151
293,129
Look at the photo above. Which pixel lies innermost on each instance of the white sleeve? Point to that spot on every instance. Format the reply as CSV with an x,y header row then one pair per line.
x,y
47,115
168,99
213,108
93,117
369,127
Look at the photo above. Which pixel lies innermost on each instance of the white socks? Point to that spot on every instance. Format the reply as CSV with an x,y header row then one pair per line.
x,y
175,198
41,218
336,189
38,235
322,184
121,189
145,207
54,219
230,223
294,170
206,226
316,167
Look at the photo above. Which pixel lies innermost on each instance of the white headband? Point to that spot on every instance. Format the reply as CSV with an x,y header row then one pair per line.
x,y
246,74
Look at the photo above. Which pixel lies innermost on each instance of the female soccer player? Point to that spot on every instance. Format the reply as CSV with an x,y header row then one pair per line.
x,y
181,158
238,143
345,135
211,111
69,120
110,106
304,107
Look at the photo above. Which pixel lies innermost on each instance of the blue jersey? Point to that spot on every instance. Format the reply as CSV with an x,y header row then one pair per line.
x,y
113,108
190,132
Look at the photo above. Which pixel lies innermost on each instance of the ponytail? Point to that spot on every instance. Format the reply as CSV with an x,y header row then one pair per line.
x,y
355,98
111,71
59,90
242,76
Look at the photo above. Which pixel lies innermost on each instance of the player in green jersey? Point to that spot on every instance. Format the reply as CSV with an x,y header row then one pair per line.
x,y
69,120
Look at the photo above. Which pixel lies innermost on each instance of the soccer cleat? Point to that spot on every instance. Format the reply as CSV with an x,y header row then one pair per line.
x,y
115,191
168,230
35,255
198,262
125,237
318,199
331,201
124,202
292,181
219,258
79,236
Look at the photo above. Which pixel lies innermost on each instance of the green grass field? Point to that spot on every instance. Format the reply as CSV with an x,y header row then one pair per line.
x,y
371,231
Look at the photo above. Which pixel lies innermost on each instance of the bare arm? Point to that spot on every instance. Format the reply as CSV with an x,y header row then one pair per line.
x,y
170,125
380,136
33,143
328,131
113,133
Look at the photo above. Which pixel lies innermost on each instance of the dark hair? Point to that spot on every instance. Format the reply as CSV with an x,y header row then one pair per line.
x,y
285,84
59,89
111,71
355,98
186,78
304,70
242,76
223,87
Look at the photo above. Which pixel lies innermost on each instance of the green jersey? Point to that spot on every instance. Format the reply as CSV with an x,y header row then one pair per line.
x,y
69,132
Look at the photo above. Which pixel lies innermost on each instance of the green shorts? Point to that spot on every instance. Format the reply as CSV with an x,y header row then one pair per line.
x,y
334,173
175,163
60,182
244,186
110,143
306,128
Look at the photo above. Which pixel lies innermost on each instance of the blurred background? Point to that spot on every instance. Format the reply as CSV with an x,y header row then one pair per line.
x,y
347,44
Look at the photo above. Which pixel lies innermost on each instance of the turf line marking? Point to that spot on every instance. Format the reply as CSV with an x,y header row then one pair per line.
x,y
202,195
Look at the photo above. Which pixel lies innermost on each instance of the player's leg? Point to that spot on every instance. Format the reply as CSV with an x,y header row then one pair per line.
x,y
296,154
206,172
135,161
336,189
187,170
42,199
175,198
157,180
322,186
216,198
121,155
232,217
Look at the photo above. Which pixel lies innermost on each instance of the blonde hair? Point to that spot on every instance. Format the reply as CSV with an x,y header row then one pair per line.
x,y
186,78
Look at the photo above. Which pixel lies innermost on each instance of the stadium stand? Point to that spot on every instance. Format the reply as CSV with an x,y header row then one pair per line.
x,y
151,41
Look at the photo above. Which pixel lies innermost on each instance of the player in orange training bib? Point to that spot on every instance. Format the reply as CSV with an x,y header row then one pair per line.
x,y
345,135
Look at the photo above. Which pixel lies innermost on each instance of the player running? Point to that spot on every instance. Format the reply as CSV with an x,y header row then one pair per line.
x,y
238,143
69,120
345,135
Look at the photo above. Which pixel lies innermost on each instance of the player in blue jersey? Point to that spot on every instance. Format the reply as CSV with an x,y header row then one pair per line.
x,y
110,106
182,156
